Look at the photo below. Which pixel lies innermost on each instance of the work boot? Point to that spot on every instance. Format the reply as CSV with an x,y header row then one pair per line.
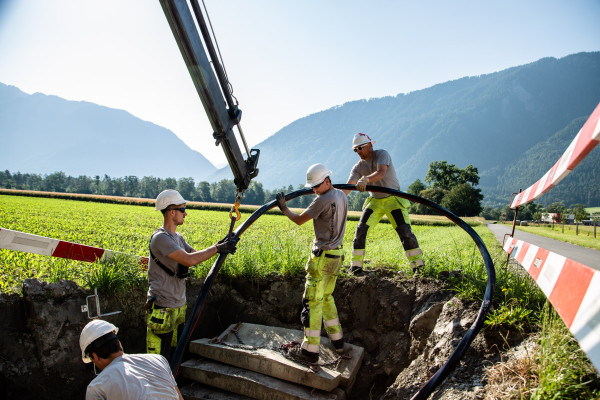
x,y
354,270
416,272
301,354
339,346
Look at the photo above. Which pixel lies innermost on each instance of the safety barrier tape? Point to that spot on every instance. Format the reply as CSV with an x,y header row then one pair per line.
x,y
29,243
572,288
587,138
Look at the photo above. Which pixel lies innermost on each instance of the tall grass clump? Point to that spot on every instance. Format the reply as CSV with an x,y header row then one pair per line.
x,y
117,274
564,371
518,300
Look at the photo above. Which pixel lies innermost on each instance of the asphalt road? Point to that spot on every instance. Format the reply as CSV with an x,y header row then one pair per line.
x,y
583,255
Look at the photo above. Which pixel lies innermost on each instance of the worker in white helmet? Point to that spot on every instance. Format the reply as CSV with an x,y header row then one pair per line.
x,y
375,168
169,261
123,376
328,212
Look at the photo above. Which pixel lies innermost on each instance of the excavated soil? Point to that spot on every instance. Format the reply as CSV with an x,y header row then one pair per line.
x,y
408,327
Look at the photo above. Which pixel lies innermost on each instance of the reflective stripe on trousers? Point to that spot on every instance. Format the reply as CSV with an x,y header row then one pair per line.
x,y
318,302
395,209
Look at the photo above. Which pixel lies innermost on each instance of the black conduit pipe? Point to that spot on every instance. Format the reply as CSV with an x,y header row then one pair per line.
x,y
462,346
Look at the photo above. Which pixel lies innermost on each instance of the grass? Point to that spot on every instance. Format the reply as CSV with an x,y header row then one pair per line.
x,y
555,367
584,238
272,245
563,369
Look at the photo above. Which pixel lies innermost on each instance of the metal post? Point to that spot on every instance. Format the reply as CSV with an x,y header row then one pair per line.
x,y
512,234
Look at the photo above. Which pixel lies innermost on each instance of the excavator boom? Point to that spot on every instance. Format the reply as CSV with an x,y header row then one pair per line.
x,y
212,85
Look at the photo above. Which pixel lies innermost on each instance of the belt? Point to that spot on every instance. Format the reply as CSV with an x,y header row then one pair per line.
x,y
332,256
319,252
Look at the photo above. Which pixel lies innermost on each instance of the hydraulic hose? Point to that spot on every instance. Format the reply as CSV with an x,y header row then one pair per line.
x,y
460,349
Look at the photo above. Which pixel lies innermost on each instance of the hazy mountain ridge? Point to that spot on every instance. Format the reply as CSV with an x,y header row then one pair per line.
x,y
45,134
512,125
489,121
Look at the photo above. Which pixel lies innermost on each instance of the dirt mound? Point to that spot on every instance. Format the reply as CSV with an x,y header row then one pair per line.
x,y
408,327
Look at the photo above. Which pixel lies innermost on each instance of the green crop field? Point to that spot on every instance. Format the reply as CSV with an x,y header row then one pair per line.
x,y
273,244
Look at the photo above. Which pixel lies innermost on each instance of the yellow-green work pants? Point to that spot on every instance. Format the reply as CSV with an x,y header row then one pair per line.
x,y
395,209
164,326
318,305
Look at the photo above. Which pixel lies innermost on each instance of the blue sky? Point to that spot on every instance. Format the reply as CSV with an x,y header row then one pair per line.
x,y
285,59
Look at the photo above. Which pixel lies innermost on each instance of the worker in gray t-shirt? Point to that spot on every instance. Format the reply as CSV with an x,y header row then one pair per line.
x,y
169,261
375,168
328,212
123,376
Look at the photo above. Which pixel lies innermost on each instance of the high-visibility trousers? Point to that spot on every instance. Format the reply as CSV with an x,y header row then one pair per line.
x,y
163,329
395,209
322,270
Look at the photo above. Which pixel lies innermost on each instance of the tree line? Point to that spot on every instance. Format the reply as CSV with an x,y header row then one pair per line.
x,y
445,184
147,187
448,185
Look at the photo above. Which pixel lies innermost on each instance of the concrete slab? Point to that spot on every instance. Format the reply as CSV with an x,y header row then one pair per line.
x,y
256,348
198,391
251,384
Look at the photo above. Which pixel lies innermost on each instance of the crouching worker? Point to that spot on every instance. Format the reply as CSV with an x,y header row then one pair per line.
x,y
169,261
328,212
123,376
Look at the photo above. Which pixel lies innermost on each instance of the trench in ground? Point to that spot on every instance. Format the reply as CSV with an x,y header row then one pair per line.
x,y
396,319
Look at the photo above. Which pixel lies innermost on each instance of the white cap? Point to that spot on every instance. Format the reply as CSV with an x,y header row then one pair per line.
x,y
168,197
316,174
92,331
361,138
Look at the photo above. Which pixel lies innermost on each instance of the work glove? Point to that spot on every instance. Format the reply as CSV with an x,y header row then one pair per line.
x,y
361,185
226,246
280,198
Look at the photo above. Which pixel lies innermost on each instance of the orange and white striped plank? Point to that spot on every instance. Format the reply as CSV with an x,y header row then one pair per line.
x,y
29,243
572,288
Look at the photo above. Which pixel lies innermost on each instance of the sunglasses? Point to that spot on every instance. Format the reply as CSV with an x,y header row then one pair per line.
x,y
317,186
182,209
358,148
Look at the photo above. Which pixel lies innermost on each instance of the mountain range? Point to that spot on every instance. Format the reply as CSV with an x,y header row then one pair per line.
x,y
512,125
45,134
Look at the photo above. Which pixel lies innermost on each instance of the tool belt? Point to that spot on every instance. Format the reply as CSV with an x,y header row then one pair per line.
x,y
151,304
321,252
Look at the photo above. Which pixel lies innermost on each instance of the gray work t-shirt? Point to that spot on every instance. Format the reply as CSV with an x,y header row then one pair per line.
x,y
169,290
133,377
328,212
367,167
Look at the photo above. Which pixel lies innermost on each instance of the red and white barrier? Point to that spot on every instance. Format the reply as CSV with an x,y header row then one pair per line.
x,y
26,242
587,138
572,288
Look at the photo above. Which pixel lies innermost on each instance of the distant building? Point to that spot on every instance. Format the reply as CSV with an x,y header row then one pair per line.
x,y
548,217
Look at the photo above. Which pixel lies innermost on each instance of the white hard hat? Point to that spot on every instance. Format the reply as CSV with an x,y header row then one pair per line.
x,y
316,174
168,197
361,138
92,331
